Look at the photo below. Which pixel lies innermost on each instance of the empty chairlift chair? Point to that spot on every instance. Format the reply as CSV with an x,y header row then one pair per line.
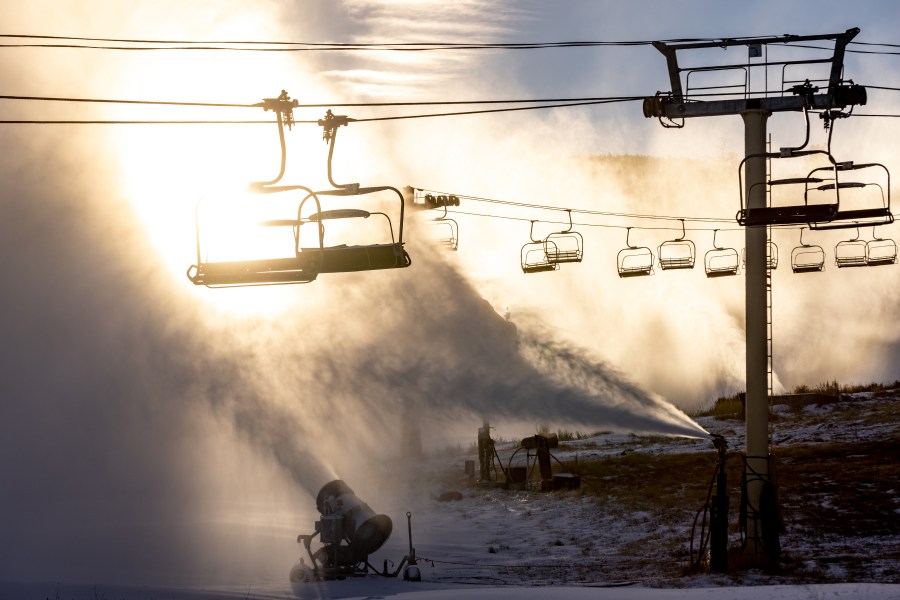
x,y
880,251
264,256
679,253
377,252
721,261
634,261
807,258
534,255
449,228
799,206
565,246
864,201
851,253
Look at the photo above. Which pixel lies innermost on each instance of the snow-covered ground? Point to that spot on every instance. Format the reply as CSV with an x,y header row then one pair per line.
x,y
490,542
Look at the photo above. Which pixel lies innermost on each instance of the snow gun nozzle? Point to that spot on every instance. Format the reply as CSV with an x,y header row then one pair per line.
x,y
719,442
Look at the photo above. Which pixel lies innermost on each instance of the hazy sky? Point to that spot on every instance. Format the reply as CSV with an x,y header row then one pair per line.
x,y
152,431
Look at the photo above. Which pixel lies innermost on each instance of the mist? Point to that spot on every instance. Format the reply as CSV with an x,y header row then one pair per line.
x,y
154,432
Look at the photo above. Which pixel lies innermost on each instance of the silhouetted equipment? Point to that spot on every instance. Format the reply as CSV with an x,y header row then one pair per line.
x,y
541,444
678,253
452,227
439,200
564,246
719,517
850,253
880,251
349,532
807,258
486,471
721,261
797,209
284,261
308,256
634,261
862,253
707,95
865,201
535,256
724,88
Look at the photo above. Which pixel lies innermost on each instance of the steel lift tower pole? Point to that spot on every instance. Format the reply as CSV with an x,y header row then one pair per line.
x,y
755,108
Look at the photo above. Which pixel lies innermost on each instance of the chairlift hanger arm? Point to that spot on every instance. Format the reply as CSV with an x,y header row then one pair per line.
x,y
283,107
329,126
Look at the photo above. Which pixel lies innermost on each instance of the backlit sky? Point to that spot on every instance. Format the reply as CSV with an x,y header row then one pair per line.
x,y
138,407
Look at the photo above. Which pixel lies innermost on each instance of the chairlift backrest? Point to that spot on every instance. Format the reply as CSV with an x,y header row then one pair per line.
x,y
865,201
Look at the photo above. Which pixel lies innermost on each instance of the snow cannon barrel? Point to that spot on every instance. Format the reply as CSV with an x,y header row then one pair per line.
x,y
364,530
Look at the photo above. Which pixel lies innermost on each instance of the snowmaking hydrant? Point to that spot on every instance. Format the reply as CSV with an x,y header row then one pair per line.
x,y
718,521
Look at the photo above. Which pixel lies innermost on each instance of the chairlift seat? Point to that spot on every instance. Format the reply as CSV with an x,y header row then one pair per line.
x,y
299,269
787,215
346,259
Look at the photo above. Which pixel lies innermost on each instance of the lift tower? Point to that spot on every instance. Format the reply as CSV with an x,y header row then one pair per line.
x,y
806,80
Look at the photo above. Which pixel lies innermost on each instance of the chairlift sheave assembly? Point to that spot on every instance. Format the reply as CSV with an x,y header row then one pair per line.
x,y
634,261
807,258
679,253
721,261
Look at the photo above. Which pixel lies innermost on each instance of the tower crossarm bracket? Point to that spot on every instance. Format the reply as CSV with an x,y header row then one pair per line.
x,y
678,104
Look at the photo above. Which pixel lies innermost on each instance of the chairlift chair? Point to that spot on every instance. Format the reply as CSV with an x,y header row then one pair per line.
x,y
634,261
720,261
452,226
851,253
863,202
566,246
880,251
371,256
534,255
794,212
290,264
807,258
678,253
